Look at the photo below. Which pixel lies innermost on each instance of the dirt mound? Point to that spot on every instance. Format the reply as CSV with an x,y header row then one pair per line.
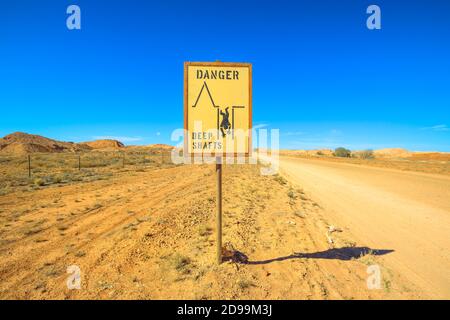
x,y
323,152
19,143
104,144
308,153
17,148
426,156
161,146
392,153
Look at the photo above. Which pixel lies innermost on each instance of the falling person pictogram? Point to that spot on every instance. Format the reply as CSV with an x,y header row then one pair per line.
x,y
225,124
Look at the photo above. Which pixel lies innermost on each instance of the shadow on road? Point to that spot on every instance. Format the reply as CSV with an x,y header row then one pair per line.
x,y
345,253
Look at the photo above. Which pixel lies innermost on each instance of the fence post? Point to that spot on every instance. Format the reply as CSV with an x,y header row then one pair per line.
x,y
29,166
79,162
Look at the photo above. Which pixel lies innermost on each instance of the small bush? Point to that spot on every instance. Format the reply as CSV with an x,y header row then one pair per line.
x,y
280,179
4,190
342,152
80,254
180,263
291,194
365,154
57,179
204,230
31,232
244,284
97,206
39,182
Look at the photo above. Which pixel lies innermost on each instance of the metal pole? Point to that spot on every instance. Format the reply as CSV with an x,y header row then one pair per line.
x,y
29,166
219,210
123,160
79,162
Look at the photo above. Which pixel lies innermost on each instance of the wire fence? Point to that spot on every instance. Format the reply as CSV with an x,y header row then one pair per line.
x,y
40,169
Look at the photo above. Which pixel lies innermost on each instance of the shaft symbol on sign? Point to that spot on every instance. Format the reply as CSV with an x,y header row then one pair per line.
x,y
225,126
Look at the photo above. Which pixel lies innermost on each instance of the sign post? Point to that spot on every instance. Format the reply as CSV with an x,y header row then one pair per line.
x,y
219,210
217,118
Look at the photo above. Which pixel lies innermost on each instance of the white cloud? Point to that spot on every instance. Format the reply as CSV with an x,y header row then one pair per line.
x,y
121,139
328,139
438,127
335,132
259,126
292,133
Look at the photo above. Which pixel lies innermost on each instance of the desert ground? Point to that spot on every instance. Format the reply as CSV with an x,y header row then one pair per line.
x,y
146,230
137,226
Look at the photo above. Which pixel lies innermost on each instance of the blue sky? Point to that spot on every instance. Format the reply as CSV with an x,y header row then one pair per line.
x,y
319,75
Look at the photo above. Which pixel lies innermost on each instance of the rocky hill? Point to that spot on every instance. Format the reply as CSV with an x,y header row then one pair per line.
x,y
104,144
23,143
20,143
392,153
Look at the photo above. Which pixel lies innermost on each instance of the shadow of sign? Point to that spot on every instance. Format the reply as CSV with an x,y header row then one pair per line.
x,y
345,254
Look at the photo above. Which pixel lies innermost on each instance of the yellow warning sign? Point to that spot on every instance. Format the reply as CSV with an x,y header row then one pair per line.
x,y
217,108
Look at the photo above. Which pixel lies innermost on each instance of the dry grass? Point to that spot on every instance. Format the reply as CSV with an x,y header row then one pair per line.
x,y
180,263
149,235
418,163
62,168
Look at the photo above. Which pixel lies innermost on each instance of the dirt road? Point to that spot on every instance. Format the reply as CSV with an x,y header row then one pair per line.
x,y
407,212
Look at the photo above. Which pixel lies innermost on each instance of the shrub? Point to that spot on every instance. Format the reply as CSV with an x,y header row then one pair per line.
x,y
280,179
180,263
291,194
365,154
342,152
204,230
4,191
39,182
244,284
